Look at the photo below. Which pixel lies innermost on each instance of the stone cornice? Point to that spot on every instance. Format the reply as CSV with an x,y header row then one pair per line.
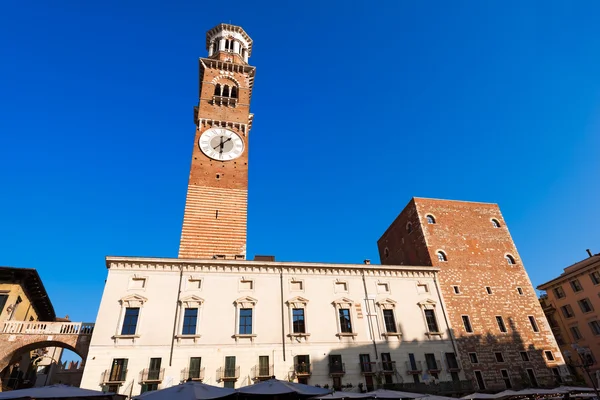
x,y
272,267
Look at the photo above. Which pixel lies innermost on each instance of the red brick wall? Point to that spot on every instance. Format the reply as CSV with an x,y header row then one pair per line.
x,y
476,252
215,214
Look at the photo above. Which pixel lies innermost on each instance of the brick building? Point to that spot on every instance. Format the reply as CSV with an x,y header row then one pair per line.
x,y
572,307
502,335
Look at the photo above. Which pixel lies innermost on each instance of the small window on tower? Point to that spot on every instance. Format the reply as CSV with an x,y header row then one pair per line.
x,y
234,92
386,252
495,223
510,259
409,228
225,91
430,219
442,256
218,90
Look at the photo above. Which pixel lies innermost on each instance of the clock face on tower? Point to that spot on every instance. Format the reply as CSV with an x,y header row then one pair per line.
x,y
221,144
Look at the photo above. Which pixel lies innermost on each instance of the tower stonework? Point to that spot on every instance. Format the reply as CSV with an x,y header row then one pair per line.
x,y
214,222
482,280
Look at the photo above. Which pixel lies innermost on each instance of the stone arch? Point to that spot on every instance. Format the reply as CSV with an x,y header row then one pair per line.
x,y
225,79
8,350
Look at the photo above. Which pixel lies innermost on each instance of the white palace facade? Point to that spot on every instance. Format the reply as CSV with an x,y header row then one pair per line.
x,y
163,321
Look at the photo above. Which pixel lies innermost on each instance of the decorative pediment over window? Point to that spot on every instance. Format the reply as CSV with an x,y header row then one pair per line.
x,y
427,304
133,300
341,302
191,301
246,302
297,302
386,304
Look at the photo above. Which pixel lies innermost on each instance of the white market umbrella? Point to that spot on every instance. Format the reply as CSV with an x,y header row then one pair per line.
x,y
394,394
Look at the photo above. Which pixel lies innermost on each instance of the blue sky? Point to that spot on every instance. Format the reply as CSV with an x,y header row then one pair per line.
x,y
357,109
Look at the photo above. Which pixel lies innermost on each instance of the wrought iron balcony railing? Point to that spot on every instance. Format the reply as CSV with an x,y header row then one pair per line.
x,y
194,374
302,369
368,368
388,367
414,367
228,373
434,366
262,371
337,369
114,376
152,375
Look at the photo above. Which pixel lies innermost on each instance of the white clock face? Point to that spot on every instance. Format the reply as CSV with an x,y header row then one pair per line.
x,y
221,144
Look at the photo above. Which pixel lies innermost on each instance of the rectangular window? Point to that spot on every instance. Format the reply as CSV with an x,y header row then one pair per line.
x,y
559,292
229,384
467,323
432,325
422,288
533,323
297,285
595,277
365,363
488,290
149,387
556,374
575,285
500,322
595,327
549,355
576,333
452,361
263,366
229,371
520,291
456,289
298,320
431,362
245,321
567,311
480,381
499,357
154,369
390,321
194,370
345,322
506,378
585,305
524,356
118,371
190,319
473,358
3,300
130,321
532,378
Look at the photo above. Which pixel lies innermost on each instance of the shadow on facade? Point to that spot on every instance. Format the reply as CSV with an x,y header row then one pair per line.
x,y
484,363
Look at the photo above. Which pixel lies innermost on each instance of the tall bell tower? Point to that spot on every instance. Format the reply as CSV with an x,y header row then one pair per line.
x,y
214,221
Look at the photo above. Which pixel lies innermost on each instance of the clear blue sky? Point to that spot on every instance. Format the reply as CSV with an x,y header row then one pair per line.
x,y
359,107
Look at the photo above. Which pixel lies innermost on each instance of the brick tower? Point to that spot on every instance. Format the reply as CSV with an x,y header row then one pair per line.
x,y
501,333
214,222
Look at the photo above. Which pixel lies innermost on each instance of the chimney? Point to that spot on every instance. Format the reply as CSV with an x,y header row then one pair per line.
x,y
367,262
589,252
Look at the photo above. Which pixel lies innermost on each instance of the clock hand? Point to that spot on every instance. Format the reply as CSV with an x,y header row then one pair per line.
x,y
220,144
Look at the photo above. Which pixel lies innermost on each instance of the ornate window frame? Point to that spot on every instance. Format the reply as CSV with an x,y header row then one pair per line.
x,y
245,302
297,302
430,304
388,304
338,304
130,301
191,301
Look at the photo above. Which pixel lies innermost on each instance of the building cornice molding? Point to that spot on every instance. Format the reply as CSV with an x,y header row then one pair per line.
x,y
593,264
262,267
